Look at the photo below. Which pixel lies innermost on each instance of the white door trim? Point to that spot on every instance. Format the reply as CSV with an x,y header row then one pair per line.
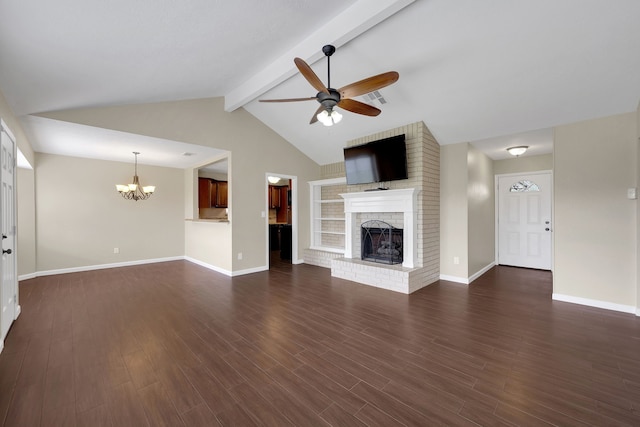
x,y
295,259
497,209
14,256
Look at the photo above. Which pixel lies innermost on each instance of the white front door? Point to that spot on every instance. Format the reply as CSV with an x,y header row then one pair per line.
x,y
7,210
524,220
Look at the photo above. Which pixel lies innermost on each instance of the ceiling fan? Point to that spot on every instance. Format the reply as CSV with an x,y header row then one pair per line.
x,y
329,98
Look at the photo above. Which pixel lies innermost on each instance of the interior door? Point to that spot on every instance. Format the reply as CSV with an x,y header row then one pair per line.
x,y
7,210
524,220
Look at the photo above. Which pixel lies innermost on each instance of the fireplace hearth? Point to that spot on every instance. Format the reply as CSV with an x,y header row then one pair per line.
x,y
381,242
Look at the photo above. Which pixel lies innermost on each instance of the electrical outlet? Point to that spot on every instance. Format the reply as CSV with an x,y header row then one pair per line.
x,y
116,250
456,260
239,255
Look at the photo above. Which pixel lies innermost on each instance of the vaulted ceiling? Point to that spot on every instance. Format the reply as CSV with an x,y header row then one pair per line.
x,y
487,72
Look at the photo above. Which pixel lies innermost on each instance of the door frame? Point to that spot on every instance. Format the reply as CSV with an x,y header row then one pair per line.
x,y
16,300
497,209
295,259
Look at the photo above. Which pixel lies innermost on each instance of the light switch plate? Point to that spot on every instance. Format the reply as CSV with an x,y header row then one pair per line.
x,y
632,193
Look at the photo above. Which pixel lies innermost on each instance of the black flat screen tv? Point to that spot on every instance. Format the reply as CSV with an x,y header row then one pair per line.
x,y
378,161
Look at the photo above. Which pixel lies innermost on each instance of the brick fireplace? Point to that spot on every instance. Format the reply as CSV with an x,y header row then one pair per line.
x,y
420,223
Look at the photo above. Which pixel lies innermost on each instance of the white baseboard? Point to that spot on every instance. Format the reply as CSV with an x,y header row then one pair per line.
x,y
104,266
297,261
227,272
209,266
465,280
250,270
27,276
456,279
1,346
18,311
596,303
482,271
147,261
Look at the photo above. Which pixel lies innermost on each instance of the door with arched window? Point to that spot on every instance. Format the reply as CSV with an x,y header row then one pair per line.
x,y
524,220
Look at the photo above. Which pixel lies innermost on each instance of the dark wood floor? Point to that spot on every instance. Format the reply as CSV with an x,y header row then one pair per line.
x,y
175,344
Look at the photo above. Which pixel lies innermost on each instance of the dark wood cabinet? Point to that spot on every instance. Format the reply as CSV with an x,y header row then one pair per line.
x,y
274,197
204,193
212,193
222,189
282,215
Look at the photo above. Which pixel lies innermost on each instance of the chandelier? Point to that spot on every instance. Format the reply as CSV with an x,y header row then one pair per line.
x,y
135,191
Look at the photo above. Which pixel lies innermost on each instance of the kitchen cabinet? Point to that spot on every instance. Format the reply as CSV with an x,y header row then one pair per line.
x,y
212,193
282,214
219,194
274,197
204,193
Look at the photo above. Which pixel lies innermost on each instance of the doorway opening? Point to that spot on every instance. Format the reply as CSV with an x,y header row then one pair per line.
x,y
281,215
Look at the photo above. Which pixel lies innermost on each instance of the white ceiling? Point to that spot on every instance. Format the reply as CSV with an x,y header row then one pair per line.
x,y
490,73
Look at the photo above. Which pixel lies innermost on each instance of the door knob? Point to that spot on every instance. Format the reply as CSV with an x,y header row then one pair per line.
x,y
6,251
546,229
4,236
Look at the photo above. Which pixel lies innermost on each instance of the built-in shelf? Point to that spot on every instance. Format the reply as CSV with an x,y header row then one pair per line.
x,y
327,215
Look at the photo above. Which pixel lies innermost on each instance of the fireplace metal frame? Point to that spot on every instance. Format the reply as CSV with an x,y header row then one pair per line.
x,y
372,233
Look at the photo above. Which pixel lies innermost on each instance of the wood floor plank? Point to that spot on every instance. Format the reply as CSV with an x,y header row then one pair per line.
x,y
374,417
200,416
98,416
338,417
177,343
210,389
126,407
158,407
179,389
261,410
304,391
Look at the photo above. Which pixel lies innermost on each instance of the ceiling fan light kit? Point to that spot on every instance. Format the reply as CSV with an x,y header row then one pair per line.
x,y
329,98
329,117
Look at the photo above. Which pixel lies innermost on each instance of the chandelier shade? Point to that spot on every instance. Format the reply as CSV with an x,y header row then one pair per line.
x,y
135,191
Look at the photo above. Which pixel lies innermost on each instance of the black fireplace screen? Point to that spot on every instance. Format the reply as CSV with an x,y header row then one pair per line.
x,y
381,242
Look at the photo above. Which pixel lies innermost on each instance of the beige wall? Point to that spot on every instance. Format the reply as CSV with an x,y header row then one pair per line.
x,y
467,211
26,202
481,206
81,218
638,210
595,162
12,122
543,162
255,149
454,213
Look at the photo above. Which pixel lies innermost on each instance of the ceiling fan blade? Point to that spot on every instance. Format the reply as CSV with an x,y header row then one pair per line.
x,y
315,115
358,107
311,77
288,99
369,84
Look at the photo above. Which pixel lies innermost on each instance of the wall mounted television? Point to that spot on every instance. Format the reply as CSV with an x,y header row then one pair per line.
x,y
378,161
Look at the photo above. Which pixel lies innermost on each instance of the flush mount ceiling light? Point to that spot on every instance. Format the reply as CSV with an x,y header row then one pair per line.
x,y
135,191
517,151
273,179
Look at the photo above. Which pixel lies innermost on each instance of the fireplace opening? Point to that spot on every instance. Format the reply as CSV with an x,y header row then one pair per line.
x,y
381,242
